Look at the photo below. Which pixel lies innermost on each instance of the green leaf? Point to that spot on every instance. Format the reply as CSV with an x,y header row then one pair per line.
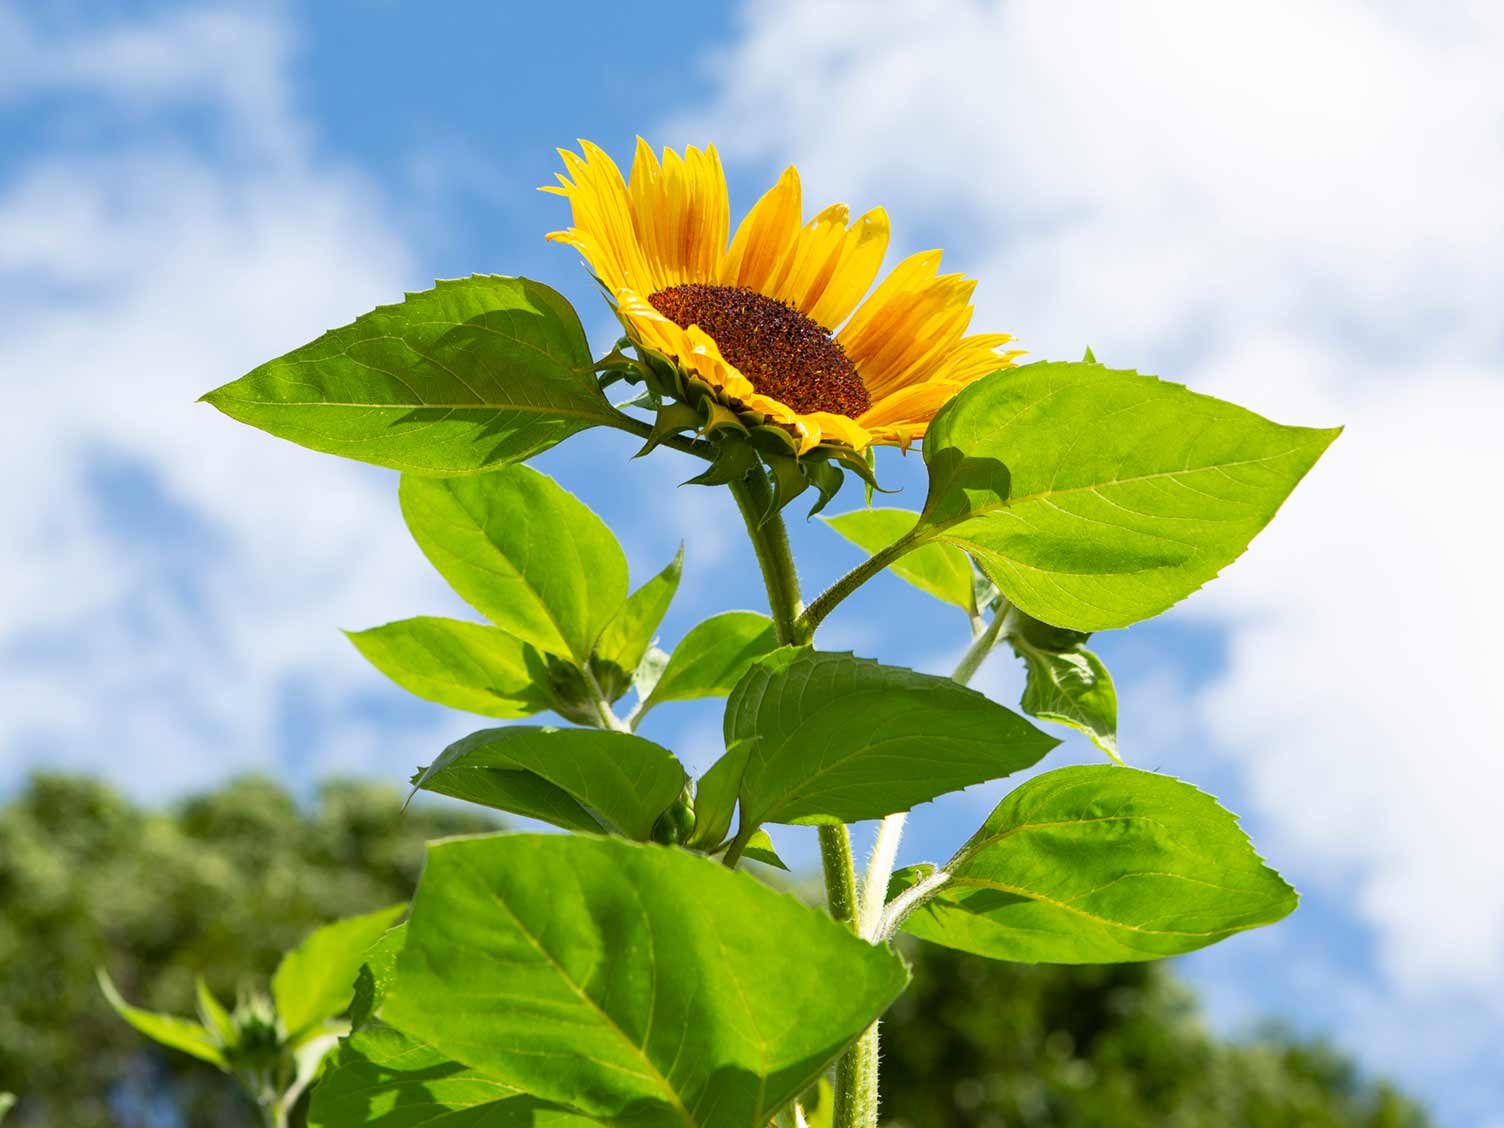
x,y
626,781
640,985
843,738
713,656
759,848
7,1102
476,373
1101,864
1066,682
167,1029
715,797
1096,498
376,975
316,980
212,1014
627,637
523,552
467,666
385,1078
939,569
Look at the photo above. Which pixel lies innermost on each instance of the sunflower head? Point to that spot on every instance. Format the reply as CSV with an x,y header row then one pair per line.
x,y
771,343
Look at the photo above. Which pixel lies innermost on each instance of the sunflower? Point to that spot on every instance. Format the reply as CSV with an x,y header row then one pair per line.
x,y
775,324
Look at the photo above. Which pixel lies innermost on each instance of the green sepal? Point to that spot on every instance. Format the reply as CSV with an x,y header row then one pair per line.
x,y
789,481
733,461
672,419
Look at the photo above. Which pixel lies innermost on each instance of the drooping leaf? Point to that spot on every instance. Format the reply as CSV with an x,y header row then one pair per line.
x,y
1066,682
167,1029
640,985
1096,498
842,738
621,780
713,656
476,373
942,570
316,980
523,552
467,666
1101,864
626,639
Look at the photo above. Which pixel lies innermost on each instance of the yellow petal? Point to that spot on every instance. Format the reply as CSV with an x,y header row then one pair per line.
x,y
760,242
603,230
861,258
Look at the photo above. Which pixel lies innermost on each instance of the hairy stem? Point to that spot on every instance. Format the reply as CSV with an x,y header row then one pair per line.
x,y
815,614
770,541
856,1078
608,718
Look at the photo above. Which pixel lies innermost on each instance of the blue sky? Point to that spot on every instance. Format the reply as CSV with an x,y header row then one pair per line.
x,y
1296,208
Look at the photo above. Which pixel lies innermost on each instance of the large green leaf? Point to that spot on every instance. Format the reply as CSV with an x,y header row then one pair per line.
x,y
840,738
624,780
385,1078
942,570
1096,498
627,637
640,985
316,980
523,552
1101,864
1066,682
167,1029
476,373
467,666
713,656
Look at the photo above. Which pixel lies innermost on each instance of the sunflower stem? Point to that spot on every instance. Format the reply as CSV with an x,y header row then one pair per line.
x,y
856,1071
878,920
770,541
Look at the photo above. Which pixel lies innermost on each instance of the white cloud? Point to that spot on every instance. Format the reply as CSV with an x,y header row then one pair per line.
x,y
1294,205
139,274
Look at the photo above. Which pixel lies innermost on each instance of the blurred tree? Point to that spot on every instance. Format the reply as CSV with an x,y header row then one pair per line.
x,y
975,1043
222,883
218,886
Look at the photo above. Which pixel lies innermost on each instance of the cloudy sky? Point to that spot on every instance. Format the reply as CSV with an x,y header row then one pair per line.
x,y
1298,206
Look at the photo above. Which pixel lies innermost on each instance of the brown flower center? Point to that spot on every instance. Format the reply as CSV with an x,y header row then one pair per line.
x,y
784,354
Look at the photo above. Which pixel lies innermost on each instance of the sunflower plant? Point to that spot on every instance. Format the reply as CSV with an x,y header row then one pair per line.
x,y
631,972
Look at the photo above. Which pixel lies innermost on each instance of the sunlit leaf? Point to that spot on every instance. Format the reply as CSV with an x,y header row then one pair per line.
x,y
1096,498
476,373
614,778
840,738
714,655
316,980
640,985
523,552
167,1029
468,666
1101,864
